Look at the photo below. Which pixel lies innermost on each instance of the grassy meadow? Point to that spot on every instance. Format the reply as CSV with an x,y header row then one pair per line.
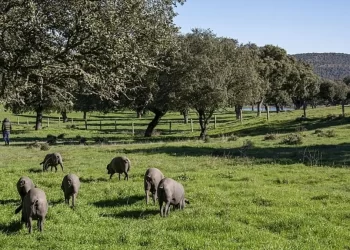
x,y
248,188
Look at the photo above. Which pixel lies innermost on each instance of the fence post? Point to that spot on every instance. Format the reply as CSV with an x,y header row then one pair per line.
x,y
17,120
133,128
191,125
100,125
59,120
85,124
48,121
115,124
27,122
169,127
214,121
72,121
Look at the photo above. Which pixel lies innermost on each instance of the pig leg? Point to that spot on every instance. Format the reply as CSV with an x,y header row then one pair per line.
x,y
110,177
147,196
126,176
61,166
119,176
41,224
73,199
167,208
154,197
30,225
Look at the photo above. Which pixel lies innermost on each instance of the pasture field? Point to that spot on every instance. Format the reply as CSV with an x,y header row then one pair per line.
x,y
246,192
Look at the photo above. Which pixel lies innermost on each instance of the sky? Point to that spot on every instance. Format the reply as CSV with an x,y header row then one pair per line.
x,y
298,26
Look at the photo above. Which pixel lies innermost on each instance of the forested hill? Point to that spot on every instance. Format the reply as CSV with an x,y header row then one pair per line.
x,y
334,66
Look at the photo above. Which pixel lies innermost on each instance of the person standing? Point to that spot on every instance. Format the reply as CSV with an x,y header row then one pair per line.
x,y
6,130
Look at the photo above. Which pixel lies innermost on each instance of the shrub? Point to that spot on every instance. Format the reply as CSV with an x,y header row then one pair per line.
x,y
207,139
248,144
318,131
328,133
270,137
34,145
293,139
233,138
44,146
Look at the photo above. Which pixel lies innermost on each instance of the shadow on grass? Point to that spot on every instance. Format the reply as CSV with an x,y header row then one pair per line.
x,y
134,214
320,155
119,202
10,202
90,179
13,227
35,170
56,202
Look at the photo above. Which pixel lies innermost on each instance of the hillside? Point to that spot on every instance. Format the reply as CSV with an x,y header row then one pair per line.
x,y
328,65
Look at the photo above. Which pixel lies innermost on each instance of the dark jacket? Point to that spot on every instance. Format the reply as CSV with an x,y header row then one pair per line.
x,y
6,126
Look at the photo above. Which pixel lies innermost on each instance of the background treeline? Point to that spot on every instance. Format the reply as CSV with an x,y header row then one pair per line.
x,y
333,66
113,55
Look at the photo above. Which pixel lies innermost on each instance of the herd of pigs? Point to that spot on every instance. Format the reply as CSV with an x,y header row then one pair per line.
x,y
34,204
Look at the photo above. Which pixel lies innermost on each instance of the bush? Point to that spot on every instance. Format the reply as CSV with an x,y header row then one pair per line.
x,y
328,133
44,146
270,137
248,144
318,131
207,139
34,145
233,138
293,139
101,140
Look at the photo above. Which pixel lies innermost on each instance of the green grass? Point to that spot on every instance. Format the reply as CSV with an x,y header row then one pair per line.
x,y
271,196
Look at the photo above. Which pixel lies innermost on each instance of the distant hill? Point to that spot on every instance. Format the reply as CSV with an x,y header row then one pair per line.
x,y
333,66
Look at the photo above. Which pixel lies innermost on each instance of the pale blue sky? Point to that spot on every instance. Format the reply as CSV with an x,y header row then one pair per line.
x,y
299,26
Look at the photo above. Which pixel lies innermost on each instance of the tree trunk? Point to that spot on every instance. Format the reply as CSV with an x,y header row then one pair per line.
x,y
39,119
238,109
203,122
304,108
267,112
84,115
343,108
64,116
259,104
277,108
241,115
157,116
185,114
139,112
252,107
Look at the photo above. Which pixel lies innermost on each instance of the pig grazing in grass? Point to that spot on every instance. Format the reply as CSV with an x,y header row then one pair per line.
x,y
119,165
172,193
24,184
52,160
70,186
151,180
34,207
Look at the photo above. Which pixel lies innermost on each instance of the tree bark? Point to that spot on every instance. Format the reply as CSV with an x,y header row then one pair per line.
x,y
39,118
343,108
139,112
238,109
252,107
185,115
304,108
203,125
259,104
267,112
277,108
64,116
157,116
